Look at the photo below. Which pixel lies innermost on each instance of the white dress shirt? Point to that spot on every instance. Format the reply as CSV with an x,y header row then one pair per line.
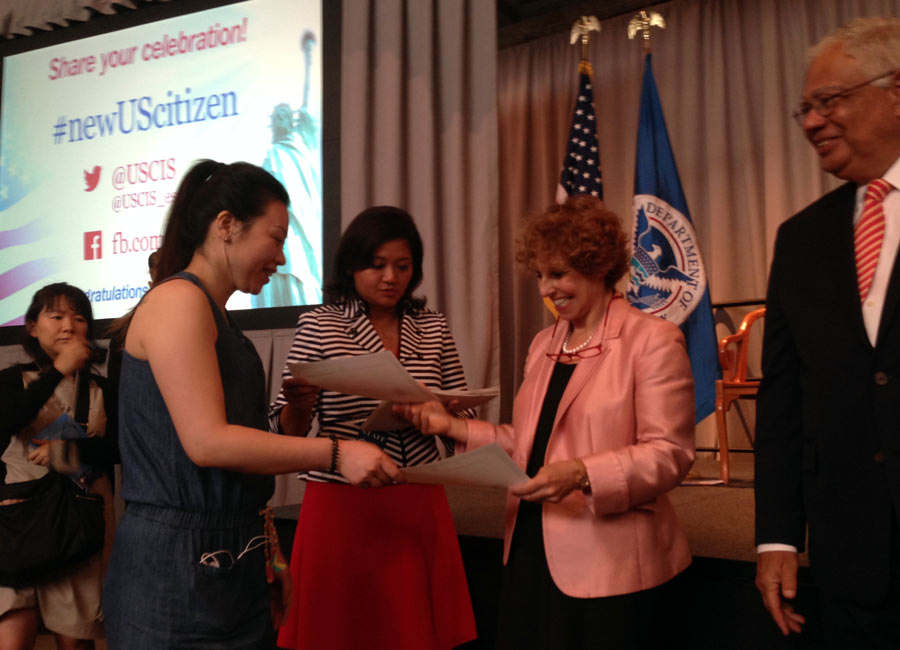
x,y
873,305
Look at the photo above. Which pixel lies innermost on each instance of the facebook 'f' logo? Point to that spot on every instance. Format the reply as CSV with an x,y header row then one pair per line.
x,y
93,245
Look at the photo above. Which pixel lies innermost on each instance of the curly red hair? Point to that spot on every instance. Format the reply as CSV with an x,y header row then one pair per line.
x,y
582,233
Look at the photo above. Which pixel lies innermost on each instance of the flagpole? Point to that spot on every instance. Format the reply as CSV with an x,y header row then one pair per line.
x,y
580,173
668,276
582,160
581,31
641,24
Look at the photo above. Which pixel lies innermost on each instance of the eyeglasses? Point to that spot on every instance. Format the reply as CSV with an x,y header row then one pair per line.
x,y
824,105
569,357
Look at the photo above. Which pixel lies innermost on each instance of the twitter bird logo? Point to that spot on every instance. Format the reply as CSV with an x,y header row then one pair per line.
x,y
92,178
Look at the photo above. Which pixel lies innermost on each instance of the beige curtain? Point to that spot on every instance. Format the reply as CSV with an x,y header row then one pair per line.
x,y
728,73
419,130
427,101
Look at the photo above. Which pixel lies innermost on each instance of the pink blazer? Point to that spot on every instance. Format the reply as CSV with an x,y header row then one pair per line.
x,y
629,415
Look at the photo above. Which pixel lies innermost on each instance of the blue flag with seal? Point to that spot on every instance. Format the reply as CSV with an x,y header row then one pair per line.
x,y
668,278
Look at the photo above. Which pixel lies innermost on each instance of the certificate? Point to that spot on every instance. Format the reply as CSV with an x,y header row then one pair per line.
x,y
487,466
381,376
378,376
384,419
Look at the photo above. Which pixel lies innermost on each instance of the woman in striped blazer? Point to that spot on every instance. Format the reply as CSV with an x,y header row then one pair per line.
x,y
386,559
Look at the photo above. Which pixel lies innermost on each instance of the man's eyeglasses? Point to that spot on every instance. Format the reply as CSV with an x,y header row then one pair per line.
x,y
824,105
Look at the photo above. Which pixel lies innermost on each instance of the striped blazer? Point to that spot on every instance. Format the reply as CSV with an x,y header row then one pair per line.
x,y
427,351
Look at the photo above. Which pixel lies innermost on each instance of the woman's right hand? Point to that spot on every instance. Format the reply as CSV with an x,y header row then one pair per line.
x,y
72,356
365,465
300,394
431,418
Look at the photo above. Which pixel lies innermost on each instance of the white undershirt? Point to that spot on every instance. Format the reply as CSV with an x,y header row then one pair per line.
x,y
874,302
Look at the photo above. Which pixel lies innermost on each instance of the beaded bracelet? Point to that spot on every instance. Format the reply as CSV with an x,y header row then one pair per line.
x,y
335,454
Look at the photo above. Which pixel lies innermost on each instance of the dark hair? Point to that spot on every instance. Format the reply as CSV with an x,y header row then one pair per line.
x,y
370,230
47,298
208,188
152,261
582,233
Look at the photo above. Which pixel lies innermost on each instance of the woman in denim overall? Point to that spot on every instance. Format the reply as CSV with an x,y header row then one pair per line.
x,y
189,563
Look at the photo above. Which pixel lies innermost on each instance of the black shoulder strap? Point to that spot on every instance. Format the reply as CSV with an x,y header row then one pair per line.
x,y
83,398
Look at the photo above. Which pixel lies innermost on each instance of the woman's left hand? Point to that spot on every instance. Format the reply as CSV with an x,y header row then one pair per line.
x,y
553,482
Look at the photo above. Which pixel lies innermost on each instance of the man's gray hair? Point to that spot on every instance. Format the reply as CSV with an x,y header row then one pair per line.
x,y
874,42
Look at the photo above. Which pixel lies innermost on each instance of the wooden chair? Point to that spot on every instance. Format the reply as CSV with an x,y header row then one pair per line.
x,y
734,383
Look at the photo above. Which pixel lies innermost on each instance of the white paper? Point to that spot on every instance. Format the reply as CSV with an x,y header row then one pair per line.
x,y
381,376
384,419
377,376
487,466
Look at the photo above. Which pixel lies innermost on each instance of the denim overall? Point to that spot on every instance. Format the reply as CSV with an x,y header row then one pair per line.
x,y
175,578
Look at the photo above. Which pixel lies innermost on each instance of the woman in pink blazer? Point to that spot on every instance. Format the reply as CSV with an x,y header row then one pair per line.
x,y
604,423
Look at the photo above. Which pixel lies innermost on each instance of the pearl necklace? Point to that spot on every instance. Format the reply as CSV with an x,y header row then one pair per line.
x,y
577,348
584,344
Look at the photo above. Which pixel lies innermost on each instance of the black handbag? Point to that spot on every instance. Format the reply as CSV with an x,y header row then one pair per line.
x,y
52,525
55,527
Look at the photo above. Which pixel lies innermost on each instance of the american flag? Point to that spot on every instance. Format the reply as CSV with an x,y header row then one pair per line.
x,y
581,166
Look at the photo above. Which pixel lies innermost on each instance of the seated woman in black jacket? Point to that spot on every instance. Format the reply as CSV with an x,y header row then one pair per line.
x,y
35,439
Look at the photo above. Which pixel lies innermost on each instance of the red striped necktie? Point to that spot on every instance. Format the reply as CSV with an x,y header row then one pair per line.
x,y
869,234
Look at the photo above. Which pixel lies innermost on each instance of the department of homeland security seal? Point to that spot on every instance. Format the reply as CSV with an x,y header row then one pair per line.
x,y
667,274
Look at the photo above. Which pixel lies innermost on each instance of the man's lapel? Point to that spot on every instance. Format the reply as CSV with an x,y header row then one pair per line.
x,y
891,304
837,241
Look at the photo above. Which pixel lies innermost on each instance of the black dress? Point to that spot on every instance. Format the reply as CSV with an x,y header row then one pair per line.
x,y
534,613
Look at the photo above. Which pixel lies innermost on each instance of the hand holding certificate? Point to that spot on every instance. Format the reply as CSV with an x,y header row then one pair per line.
x,y
383,417
381,376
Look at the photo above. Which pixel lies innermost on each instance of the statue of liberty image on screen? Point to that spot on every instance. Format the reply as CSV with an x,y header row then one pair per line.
x,y
294,159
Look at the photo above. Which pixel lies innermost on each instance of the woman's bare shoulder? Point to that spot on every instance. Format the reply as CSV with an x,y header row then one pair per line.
x,y
172,294
176,307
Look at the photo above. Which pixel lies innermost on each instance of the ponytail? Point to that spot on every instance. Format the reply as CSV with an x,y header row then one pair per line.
x,y
185,228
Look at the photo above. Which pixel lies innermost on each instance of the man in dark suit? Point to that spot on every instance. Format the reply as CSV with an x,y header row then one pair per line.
x,y
828,417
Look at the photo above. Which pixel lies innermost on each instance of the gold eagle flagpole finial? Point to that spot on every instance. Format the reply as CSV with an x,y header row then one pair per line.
x,y
581,29
642,22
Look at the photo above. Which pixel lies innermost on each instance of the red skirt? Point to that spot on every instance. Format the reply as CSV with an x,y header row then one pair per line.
x,y
376,569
